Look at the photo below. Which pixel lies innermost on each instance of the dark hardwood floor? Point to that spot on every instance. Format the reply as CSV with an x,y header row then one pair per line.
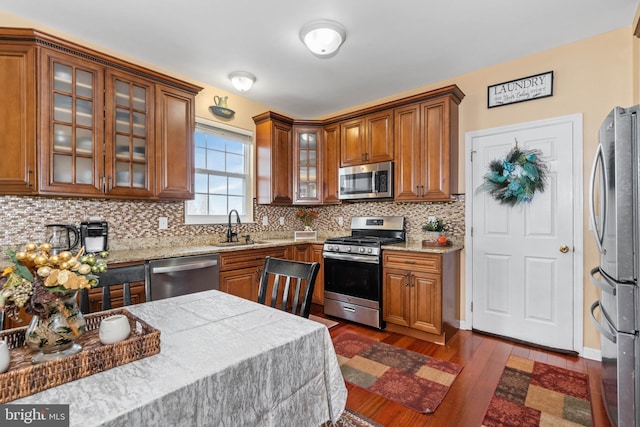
x,y
482,358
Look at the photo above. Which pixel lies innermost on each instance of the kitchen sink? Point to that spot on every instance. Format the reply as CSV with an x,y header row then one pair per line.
x,y
241,243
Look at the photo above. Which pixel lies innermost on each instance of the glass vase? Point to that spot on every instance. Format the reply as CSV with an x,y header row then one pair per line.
x,y
53,333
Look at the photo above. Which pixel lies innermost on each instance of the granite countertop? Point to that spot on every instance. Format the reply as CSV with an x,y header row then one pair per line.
x,y
160,252
416,246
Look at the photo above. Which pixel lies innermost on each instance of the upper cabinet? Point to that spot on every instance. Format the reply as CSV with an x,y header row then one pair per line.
x,y
426,149
18,173
297,161
367,139
330,163
106,128
307,167
274,158
175,118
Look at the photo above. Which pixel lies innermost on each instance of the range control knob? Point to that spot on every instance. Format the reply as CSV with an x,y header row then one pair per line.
x,y
348,248
361,250
369,250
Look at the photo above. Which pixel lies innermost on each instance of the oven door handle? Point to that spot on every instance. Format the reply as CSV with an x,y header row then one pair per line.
x,y
350,257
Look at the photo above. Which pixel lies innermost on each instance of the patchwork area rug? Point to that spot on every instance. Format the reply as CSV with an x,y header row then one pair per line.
x,y
411,379
351,418
536,394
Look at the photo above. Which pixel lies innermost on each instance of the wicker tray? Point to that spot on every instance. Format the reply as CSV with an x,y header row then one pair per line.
x,y
24,378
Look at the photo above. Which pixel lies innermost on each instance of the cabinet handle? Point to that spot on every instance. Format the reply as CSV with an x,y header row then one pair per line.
x,y
422,191
109,186
407,277
258,275
29,175
409,262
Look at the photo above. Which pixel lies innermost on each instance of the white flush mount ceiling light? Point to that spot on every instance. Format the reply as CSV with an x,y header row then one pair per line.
x,y
323,38
242,80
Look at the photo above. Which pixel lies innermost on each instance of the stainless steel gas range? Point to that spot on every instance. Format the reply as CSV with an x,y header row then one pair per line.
x,y
353,268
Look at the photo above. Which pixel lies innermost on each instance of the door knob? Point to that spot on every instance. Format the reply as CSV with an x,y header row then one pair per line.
x,y
564,249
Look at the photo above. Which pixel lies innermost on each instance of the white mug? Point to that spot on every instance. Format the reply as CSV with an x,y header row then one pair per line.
x,y
114,329
5,357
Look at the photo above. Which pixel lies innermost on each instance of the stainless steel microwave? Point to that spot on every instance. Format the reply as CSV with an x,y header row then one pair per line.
x,y
372,181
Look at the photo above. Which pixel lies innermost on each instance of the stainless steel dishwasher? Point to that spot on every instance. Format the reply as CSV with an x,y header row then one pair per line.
x,y
172,277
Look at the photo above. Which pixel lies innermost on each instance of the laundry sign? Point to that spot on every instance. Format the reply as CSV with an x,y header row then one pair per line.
x,y
520,90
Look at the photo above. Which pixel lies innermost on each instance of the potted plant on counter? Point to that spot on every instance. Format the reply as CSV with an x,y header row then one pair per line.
x,y
434,229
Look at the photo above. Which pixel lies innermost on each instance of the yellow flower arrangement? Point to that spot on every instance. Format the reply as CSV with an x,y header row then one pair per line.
x,y
37,277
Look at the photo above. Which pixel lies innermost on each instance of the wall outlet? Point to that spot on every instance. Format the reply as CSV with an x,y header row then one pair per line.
x,y
340,221
163,223
265,220
281,220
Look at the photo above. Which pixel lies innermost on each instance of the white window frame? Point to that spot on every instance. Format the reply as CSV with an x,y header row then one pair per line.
x,y
202,123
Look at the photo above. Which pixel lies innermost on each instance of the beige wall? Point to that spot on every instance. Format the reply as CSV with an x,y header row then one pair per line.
x,y
590,77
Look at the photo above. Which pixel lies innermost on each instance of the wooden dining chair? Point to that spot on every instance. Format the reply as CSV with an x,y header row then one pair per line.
x,y
291,284
118,276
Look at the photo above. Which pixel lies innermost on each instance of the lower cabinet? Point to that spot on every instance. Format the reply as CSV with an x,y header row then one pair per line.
x,y
318,290
117,296
419,295
240,270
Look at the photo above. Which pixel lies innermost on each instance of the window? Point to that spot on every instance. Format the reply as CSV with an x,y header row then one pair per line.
x,y
223,161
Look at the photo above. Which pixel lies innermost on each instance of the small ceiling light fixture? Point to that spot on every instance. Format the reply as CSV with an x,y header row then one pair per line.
x,y
323,37
242,80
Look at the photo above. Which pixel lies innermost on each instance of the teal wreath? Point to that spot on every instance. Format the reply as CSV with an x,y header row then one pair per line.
x,y
517,177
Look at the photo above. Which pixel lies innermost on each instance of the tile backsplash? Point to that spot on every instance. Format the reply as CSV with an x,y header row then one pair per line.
x,y
133,222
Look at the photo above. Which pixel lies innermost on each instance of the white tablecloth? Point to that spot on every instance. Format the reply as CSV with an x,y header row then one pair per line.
x,y
224,361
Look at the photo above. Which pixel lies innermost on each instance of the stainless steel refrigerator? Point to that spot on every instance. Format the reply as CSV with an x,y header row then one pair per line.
x,y
615,221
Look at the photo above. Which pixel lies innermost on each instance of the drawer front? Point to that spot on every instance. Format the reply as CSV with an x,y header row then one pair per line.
x,y
249,258
430,263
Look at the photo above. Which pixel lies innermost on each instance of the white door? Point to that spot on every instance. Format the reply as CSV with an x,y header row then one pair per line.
x,y
522,274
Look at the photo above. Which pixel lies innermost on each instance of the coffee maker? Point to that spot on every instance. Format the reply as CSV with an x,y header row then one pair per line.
x,y
93,236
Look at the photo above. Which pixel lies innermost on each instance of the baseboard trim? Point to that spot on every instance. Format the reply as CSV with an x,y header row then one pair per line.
x,y
591,353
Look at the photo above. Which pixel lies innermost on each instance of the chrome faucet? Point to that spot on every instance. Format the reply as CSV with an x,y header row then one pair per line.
x,y
231,234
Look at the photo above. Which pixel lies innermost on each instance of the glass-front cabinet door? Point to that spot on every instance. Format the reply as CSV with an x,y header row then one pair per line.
x,y
72,125
307,176
128,135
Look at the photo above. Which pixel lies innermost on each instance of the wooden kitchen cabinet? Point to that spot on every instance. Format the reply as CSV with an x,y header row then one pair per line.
x,y
418,133
175,118
138,295
318,290
419,294
96,121
18,172
367,139
300,252
330,164
240,270
426,153
307,165
274,159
